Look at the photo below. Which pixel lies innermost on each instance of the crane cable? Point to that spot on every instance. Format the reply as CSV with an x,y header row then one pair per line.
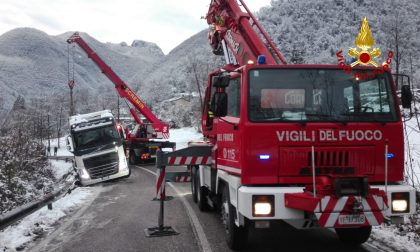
x,y
70,65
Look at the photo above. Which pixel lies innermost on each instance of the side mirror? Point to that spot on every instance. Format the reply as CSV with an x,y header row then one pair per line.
x,y
69,143
406,96
220,104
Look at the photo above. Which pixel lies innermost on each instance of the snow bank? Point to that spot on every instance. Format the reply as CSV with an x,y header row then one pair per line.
x,y
182,136
62,151
15,238
394,239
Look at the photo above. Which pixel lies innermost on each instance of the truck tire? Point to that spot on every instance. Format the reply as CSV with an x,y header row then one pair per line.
x,y
132,159
354,236
201,192
236,237
194,187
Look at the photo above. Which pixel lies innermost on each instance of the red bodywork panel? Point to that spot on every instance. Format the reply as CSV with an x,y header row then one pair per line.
x,y
122,88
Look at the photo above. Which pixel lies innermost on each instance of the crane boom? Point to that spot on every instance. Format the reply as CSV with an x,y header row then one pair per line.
x,y
124,91
233,34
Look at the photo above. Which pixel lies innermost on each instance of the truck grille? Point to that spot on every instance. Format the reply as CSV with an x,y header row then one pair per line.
x,y
332,160
329,158
102,166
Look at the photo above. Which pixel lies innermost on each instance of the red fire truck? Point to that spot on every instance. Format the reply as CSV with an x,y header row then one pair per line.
x,y
309,145
141,144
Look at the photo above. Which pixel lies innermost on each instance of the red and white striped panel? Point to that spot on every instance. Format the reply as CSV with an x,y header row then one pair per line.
x,y
165,135
330,209
189,160
160,184
183,178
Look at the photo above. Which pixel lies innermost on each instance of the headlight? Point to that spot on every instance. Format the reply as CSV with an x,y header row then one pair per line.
x,y
123,163
400,202
263,205
84,174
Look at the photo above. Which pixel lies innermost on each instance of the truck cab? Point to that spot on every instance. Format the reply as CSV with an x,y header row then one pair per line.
x,y
97,147
310,145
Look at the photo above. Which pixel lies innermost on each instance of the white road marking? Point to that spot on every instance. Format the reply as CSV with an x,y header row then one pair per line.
x,y
199,231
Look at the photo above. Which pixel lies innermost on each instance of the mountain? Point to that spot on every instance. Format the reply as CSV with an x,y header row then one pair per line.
x,y
34,64
313,31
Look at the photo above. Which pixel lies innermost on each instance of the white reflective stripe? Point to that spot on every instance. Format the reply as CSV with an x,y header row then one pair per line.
x,y
340,204
178,160
317,208
371,219
380,202
209,161
199,159
188,160
332,219
366,206
324,202
336,212
229,169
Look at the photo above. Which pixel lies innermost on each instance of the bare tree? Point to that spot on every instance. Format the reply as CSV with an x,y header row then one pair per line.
x,y
399,38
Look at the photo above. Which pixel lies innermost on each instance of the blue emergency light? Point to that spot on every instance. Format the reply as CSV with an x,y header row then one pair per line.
x,y
264,157
261,60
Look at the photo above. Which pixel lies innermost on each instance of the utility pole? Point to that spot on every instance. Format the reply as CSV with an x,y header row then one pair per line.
x,y
59,127
48,131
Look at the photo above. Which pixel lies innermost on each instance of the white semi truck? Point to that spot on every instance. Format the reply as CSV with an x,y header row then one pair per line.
x,y
97,147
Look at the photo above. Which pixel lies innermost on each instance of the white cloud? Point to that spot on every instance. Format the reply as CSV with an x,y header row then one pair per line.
x,y
165,22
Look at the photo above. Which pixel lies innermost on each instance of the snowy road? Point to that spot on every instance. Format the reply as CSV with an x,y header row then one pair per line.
x,y
116,219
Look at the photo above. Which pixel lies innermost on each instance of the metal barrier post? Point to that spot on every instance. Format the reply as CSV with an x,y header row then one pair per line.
x,y
160,230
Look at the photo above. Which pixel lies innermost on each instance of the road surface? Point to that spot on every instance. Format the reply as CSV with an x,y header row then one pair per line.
x,y
116,219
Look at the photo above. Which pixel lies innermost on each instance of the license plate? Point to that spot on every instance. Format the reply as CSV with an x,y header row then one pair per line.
x,y
351,219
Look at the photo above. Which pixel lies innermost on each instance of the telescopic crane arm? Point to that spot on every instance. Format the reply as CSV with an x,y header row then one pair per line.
x,y
161,128
233,34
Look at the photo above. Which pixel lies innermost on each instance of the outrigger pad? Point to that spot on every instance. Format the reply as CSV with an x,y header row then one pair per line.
x,y
160,231
167,198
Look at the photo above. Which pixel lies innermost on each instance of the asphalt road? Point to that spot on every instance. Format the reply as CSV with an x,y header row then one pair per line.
x,y
116,219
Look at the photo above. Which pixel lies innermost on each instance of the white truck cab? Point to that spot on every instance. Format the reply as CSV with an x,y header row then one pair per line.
x,y
97,147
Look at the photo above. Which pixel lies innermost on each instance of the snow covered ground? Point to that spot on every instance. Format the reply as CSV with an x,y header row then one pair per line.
x,y
182,136
17,237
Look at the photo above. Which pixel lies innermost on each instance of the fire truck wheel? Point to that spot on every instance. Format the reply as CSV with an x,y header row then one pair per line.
x,y
194,171
354,236
236,237
201,192
132,159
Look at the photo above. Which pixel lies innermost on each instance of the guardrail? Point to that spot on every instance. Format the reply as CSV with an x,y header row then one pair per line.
x,y
19,213
65,158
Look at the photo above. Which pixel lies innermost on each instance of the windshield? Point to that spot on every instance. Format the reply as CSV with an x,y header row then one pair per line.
x,y
95,138
319,95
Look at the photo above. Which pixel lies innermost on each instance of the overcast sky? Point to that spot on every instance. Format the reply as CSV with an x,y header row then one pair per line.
x,y
165,22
